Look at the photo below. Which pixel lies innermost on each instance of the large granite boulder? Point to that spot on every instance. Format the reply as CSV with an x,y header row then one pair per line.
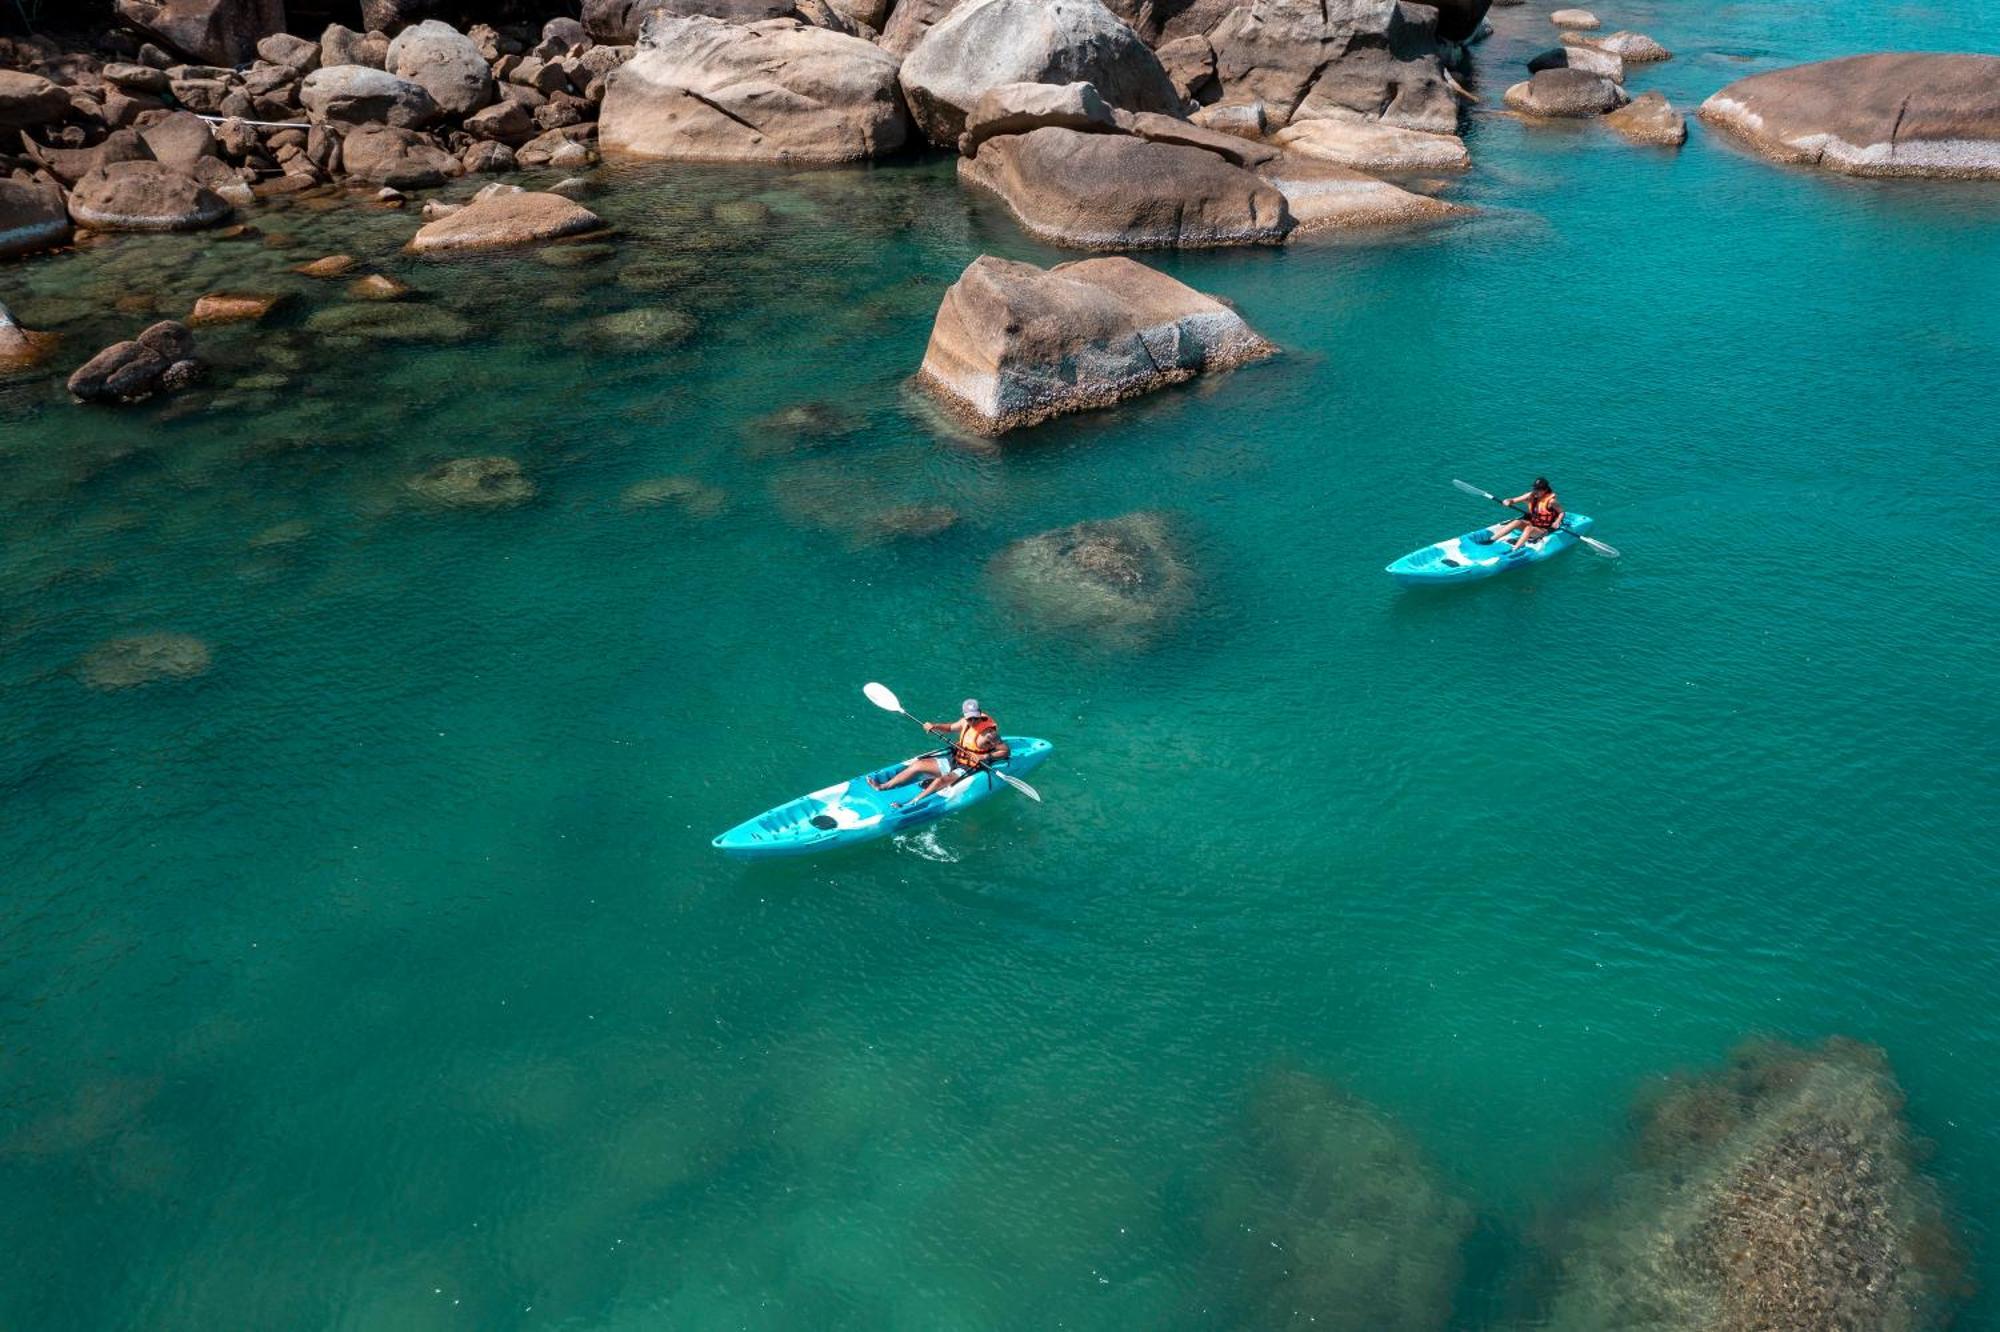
x,y
1371,145
144,196
399,158
1304,58
1872,115
180,139
1122,584
1014,344
986,43
340,45
909,20
1119,192
446,63
1328,1212
209,32
33,216
1782,1191
28,100
1565,94
503,218
361,95
699,89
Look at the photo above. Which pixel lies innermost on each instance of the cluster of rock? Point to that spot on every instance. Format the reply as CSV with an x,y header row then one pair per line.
x,y
1898,114
1780,1192
159,360
142,138
1333,1214
1584,77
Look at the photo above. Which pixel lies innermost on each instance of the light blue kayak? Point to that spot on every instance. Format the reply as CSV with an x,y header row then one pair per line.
x,y
1462,559
852,811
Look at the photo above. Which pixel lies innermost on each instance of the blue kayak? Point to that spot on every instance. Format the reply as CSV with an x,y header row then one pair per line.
x,y
853,811
1463,559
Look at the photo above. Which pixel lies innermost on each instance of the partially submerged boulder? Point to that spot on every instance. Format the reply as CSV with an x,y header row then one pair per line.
x,y
1014,344
1370,145
142,659
1650,118
1580,20
1872,115
1121,583
1565,94
474,483
161,358
1330,1212
501,220
1116,192
983,44
21,348
359,95
1781,1192
1322,196
144,196
226,307
702,90
33,216
1634,48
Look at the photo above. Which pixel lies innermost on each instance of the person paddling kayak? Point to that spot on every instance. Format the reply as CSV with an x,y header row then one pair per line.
x,y
975,744
1545,515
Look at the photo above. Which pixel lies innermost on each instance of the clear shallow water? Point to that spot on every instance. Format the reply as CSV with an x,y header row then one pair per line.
x,y
382,976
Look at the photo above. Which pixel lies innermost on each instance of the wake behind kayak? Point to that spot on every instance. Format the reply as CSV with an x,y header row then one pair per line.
x,y
851,812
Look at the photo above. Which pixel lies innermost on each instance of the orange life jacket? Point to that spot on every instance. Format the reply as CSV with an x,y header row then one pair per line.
x,y
1545,511
975,741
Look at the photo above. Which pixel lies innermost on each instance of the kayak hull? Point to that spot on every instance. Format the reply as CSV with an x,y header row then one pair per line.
x,y
852,812
1464,560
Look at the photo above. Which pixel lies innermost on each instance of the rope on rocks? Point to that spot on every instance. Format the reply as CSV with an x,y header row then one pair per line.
x,y
257,124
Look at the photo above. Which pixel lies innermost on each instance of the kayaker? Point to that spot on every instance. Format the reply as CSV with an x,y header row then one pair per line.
x,y
975,743
1544,516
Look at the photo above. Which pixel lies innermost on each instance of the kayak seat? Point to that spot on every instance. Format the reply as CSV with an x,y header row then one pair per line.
x,y
824,822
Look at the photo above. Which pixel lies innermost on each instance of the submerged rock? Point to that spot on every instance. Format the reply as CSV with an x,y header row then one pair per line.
x,y
1325,197
802,425
1122,583
503,219
332,266
1116,192
693,497
983,44
909,522
474,483
634,330
1013,344
702,90
1650,118
1779,1192
223,307
378,287
1333,1214
123,663
1872,115
397,321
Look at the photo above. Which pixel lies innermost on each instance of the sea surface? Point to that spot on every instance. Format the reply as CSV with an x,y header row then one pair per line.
x,y
382,976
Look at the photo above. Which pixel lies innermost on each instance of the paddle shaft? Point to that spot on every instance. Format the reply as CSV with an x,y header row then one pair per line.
x,y
1563,526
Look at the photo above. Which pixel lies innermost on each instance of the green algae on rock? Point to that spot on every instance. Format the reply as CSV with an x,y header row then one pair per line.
x,y
474,483
1781,1191
140,659
1122,583
1332,1213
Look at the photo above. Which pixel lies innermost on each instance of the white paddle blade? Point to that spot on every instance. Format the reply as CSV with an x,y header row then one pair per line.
x,y
1608,551
1020,786
1471,489
881,697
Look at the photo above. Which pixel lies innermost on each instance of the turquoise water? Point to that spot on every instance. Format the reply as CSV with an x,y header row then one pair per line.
x,y
382,977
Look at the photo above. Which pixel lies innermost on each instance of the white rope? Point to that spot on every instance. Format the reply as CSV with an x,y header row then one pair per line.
x,y
258,124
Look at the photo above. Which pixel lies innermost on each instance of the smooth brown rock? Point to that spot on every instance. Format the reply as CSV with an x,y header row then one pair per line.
x,y
1304,58
1115,192
1578,19
1325,197
1872,115
180,139
984,44
377,287
1634,48
28,100
702,90
20,348
1231,148
383,155
1014,344
445,63
144,196
333,266
221,307
33,216
500,221
1650,118
360,95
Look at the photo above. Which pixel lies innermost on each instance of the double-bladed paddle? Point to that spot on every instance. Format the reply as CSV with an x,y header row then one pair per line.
x,y
1596,547
881,696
